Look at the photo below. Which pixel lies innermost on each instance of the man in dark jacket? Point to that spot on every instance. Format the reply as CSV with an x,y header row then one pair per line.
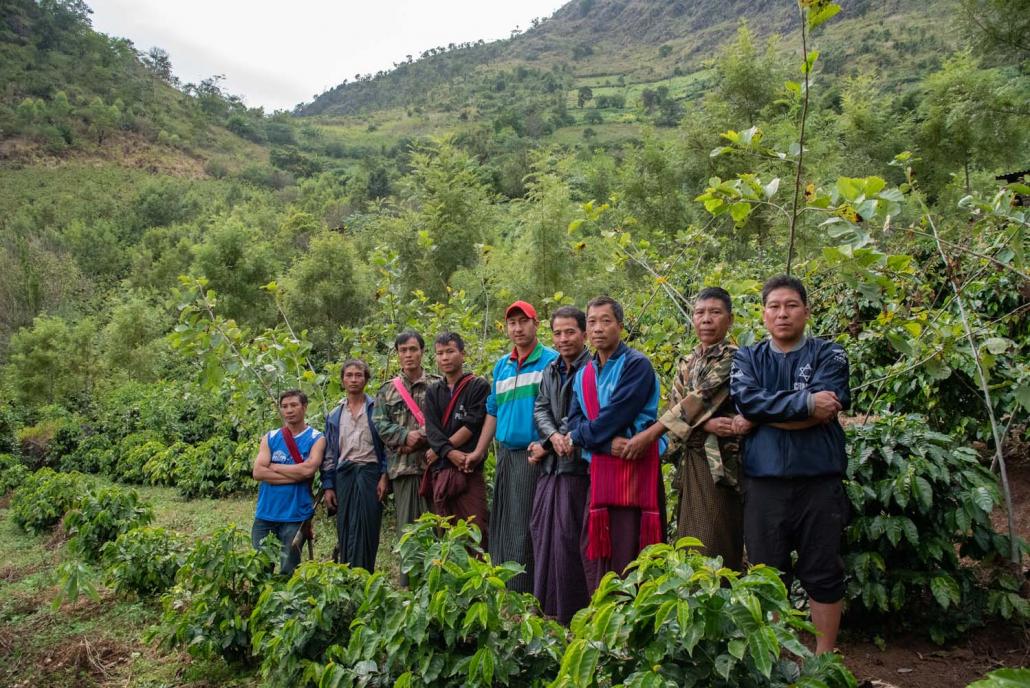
x,y
455,410
792,387
563,488
354,473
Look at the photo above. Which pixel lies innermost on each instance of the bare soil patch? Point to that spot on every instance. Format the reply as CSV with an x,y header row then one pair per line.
x,y
913,662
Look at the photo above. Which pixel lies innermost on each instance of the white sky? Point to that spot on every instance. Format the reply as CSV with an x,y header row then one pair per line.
x,y
277,54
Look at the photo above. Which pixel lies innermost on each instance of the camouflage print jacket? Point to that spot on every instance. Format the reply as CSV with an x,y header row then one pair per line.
x,y
701,391
394,421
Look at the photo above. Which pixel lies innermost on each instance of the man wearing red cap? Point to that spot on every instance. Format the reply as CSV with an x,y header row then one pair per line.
x,y
509,408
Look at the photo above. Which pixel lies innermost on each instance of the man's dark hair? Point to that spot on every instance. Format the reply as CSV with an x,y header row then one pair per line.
x,y
445,338
571,312
406,335
356,363
294,393
600,301
784,282
716,293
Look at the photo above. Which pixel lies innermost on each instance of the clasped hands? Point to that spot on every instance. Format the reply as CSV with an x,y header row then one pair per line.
x,y
561,444
465,462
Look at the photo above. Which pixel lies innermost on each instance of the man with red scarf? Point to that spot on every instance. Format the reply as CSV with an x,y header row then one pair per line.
x,y
615,397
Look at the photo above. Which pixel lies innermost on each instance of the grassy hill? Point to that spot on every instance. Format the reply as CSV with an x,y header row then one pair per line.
x,y
71,94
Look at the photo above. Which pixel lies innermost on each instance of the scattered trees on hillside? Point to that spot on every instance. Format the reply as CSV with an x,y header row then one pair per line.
x,y
970,118
748,79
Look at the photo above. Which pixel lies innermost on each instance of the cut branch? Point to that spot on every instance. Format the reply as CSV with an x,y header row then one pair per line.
x,y
1016,554
801,145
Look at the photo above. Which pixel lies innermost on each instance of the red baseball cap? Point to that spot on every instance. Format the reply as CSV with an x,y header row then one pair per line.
x,y
521,306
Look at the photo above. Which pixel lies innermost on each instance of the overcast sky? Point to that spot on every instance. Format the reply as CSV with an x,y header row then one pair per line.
x,y
277,54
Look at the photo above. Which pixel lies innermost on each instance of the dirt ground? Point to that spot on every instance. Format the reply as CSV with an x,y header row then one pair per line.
x,y
915,662
912,662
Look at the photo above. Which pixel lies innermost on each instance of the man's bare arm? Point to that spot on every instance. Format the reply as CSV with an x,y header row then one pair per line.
x,y
299,472
262,467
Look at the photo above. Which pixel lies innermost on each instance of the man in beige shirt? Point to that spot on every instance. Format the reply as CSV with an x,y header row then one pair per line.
x,y
354,471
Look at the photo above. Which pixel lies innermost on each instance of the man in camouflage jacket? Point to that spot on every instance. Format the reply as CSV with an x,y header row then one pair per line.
x,y
705,431
400,430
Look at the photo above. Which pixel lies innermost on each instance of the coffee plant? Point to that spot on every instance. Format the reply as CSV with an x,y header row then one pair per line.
x,y
208,610
922,507
681,619
216,467
135,460
100,516
12,473
44,498
162,467
457,625
143,560
125,462
95,450
295,625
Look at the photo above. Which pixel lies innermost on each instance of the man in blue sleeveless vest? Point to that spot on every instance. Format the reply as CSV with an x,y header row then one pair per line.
x,y
285,465
792,387
509,412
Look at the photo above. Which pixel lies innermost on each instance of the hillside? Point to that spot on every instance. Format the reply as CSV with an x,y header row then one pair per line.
x,y
71,94
633,42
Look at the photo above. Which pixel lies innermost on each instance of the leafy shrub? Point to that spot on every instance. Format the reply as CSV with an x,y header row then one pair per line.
x,y
100,516
294,626
134,461
214,468
143,560
44,498
120,464
678,618
208,610
12,473
161,468
95,450
8,423
457,625
176,410
921,504
53,437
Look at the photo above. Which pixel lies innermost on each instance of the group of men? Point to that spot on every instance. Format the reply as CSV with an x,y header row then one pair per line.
x,y
578,486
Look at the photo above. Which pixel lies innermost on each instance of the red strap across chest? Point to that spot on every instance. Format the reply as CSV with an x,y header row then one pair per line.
x,y
409,401
291,445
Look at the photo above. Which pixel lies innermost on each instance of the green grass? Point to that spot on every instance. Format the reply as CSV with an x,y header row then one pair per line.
x,y
93,643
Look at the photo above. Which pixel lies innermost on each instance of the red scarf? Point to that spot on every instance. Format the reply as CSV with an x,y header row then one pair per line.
x,y
620,483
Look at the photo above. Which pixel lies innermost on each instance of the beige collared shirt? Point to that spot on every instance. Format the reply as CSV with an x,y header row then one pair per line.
x,y
355,436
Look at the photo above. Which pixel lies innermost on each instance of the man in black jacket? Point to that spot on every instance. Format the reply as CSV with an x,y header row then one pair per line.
x,y
792,387
455,409
563,489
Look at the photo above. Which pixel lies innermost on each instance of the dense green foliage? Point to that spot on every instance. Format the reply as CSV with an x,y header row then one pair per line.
x,y
1004,678
316,609
680,619
100,516
143,560
12,473
208,611
922,505
44,497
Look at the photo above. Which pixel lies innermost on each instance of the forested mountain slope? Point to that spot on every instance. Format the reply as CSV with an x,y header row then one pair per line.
x,y
636,41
